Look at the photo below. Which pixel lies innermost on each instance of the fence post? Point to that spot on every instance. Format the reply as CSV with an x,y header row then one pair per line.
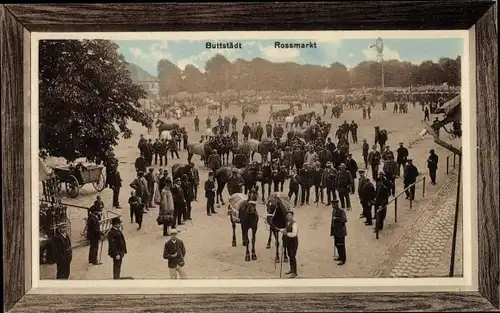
x,y
447,165
395,210
411,202
423,187
454,160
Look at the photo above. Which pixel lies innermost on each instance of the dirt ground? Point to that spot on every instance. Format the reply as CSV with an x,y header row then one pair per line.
x,y
208,239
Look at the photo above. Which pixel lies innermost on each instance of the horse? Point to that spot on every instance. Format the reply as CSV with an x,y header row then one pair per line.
x,y
213,108
203,149
243,210
265,147
225,149
166,134
161,125
222,176
264,176
277,206
250,175
179,169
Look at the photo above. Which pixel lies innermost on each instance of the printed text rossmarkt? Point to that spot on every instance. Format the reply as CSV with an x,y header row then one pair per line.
x,y
280,45
223,45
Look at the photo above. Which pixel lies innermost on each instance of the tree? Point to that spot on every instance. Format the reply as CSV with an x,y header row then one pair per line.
x,y
170,78
193,80
217,71
86,98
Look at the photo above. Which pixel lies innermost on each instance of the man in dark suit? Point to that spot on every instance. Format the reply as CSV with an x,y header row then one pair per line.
x,y
63,253
115,183
338,231
175,251
195,176
117,246
210,193
93,235
432,165
366,192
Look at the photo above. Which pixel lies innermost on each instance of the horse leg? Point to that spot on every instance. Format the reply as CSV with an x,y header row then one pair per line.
x,y
244,231
277,258
269,183
233,224
251,155
268,246
262,185
190,156
221,191
254,233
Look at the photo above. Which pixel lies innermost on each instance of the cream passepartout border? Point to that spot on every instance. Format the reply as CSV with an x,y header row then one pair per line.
x,y
469,281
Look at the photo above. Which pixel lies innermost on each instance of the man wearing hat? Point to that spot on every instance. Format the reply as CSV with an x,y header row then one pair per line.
x,y
163,179
179,202
214,161
343,184
382,193
141,164
365,147
374,160
329,180
93,235
366,193
306,182
432,165
352,167
140,185
338,231
410,177
62,252
318,182
117,247
150,179
175,251
291,240
210,193
353,127
390,169
235,182
402,155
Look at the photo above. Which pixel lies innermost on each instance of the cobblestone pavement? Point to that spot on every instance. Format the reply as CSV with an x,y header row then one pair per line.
x,y
428,254
208,239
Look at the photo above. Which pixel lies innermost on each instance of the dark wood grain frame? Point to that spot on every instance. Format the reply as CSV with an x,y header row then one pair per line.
x,y
16,23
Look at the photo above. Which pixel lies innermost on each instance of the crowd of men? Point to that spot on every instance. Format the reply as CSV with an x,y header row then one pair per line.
x,y
307,162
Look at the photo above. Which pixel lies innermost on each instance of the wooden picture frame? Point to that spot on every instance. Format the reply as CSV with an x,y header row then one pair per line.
x,y
16,23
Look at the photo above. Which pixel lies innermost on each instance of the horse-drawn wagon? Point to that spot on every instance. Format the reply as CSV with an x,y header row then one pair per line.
x,y
75,177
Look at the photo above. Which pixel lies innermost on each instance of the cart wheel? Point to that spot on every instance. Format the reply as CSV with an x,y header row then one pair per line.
x,y
72,186
99,185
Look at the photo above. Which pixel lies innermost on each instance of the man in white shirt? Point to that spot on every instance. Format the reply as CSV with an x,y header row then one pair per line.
x,y
290,234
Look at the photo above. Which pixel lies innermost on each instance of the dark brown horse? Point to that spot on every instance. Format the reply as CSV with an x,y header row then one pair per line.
x,y
243,211
277,206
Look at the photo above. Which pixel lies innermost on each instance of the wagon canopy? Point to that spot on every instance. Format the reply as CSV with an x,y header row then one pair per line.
x,y
449,107
44,171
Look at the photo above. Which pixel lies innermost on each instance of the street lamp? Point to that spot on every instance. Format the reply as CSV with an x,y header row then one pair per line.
x,y
379,46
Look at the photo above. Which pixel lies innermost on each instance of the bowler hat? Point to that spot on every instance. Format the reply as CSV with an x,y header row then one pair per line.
x,y
115,221
173,231
335,202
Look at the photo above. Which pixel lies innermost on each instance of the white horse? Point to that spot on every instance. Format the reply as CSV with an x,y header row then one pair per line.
x,y
166,135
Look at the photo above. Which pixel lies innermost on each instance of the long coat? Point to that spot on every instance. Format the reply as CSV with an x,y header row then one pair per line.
x,y
116,242
338,227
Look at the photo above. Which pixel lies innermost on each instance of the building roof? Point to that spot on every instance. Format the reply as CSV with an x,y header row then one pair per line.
x,y
140,75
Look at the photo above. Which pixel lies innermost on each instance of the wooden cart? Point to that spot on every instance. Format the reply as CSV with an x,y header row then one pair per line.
x,y
74,177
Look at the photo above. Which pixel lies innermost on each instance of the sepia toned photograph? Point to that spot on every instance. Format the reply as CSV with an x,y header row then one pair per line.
x,y
250,158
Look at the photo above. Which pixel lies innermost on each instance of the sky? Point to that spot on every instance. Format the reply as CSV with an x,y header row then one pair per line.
x,y
147,53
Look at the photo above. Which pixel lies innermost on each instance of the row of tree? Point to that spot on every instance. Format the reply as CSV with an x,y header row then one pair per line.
x,y
263,75
87,96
